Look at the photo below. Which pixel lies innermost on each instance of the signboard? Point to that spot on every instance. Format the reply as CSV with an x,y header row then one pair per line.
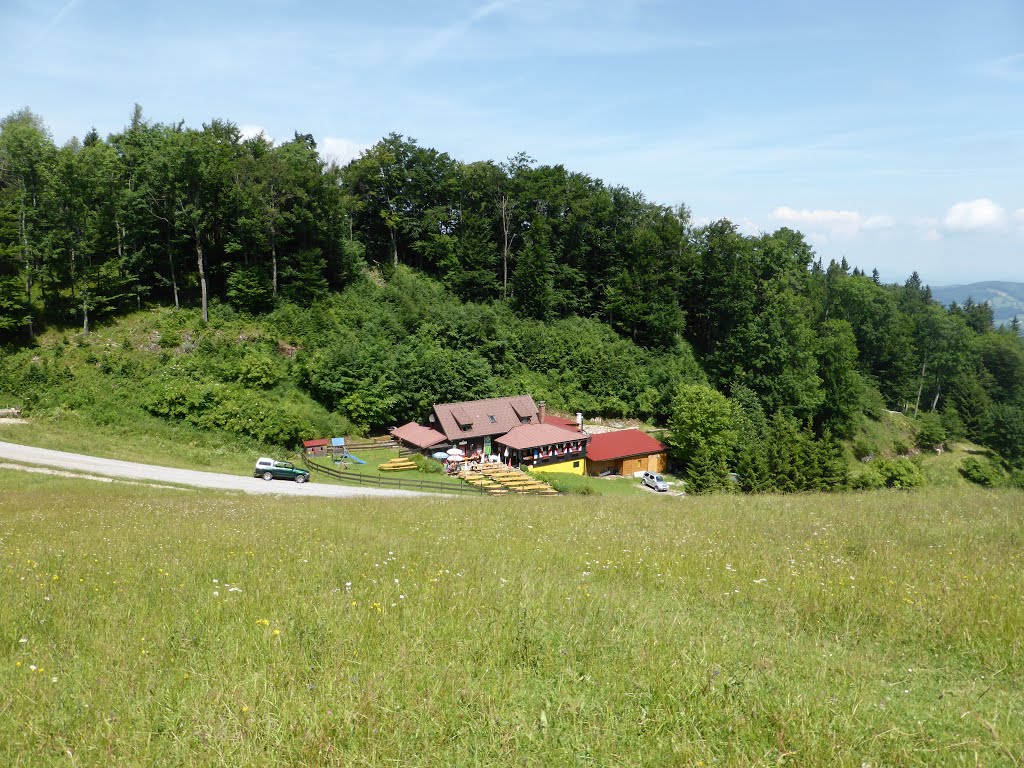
x,y
487,446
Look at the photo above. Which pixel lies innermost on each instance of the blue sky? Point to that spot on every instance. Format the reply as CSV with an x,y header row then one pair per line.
x,y
890,133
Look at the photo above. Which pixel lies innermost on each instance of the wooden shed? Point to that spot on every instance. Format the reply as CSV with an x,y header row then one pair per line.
x,y
316,447
625,452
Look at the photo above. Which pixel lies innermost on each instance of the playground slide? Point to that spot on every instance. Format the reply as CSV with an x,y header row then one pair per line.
x,y
350,457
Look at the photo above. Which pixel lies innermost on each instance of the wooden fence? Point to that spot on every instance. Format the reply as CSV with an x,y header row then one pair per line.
x,y
390,482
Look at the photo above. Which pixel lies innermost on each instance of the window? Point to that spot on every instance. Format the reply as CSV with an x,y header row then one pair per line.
x,y
492,419
575,465
524,419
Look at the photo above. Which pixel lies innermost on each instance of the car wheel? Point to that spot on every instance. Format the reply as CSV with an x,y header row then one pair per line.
x,y
300,478
268,476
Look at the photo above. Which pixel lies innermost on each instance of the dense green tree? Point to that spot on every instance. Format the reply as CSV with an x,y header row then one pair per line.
x,y
1006,433
26,152
843,386
773,354
703,421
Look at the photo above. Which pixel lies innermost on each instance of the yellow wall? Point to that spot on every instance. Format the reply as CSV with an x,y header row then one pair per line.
x,y
563,466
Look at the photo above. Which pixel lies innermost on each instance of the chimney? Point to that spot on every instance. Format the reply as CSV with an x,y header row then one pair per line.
x,y
579,421
543,409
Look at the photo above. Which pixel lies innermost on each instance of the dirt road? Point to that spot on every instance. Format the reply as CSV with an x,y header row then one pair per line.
x,y
85,466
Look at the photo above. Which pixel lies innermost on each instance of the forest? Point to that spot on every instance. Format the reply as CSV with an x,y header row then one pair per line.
x,y
407,277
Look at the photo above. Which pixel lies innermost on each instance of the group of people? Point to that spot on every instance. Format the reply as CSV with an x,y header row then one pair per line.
x,y
456,464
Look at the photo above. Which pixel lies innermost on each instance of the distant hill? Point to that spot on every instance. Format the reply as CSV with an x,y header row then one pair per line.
x,y
1007,299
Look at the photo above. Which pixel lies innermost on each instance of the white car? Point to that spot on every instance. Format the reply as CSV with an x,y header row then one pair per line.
x,y
654,481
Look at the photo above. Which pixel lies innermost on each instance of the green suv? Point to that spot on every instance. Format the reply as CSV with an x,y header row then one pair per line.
x,y
269,469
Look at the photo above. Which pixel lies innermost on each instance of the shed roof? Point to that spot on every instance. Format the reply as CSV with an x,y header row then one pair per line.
x,y
420,436
318,443
528,436
622,444
480,418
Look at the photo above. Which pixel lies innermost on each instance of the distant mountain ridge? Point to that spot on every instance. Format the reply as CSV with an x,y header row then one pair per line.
x,y
1007,299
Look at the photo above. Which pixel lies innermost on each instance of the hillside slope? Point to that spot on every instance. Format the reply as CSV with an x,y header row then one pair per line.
x,y
1006,299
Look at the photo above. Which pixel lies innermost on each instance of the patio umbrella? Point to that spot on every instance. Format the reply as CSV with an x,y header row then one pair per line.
x,y
456,452
440,455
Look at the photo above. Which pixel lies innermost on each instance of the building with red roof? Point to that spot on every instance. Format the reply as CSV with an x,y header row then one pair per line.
x,y
316,447
547,447
417,436
515,428
471,421
625,452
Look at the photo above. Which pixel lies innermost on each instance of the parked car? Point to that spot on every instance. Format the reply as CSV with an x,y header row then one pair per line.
x,y
654,481
269,469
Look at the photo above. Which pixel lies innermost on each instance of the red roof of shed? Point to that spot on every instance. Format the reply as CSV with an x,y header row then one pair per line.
x,y
318,443
415,434
622,443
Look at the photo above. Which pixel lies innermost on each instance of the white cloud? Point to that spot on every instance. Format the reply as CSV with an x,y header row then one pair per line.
x,y
341,150
974,215
748,227
249,131
833,223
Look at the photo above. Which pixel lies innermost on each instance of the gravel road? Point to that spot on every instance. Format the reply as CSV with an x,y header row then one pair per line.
x,y
92,465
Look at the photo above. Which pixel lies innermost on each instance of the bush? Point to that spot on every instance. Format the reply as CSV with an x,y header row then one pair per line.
x,y
863,449
984,472
899,473
233,408
901,447
867,479
563,483
426,465
931,433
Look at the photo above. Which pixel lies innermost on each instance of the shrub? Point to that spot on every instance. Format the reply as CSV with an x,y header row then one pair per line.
x,y
900,447
984,472
426,465
563,483
867,479
864,449
931,433
899,473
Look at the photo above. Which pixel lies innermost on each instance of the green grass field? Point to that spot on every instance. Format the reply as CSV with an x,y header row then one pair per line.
x,y
142,626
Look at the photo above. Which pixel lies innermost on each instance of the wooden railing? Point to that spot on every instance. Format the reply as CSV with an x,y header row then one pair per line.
x,y
390,482
369,446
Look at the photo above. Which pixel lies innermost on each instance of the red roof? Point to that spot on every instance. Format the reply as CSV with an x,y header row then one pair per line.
x,y
414,434
538,435
480,418
561,421
318,443
622,444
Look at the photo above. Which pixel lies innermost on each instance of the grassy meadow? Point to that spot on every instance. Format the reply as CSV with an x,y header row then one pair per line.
x,y
142,626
